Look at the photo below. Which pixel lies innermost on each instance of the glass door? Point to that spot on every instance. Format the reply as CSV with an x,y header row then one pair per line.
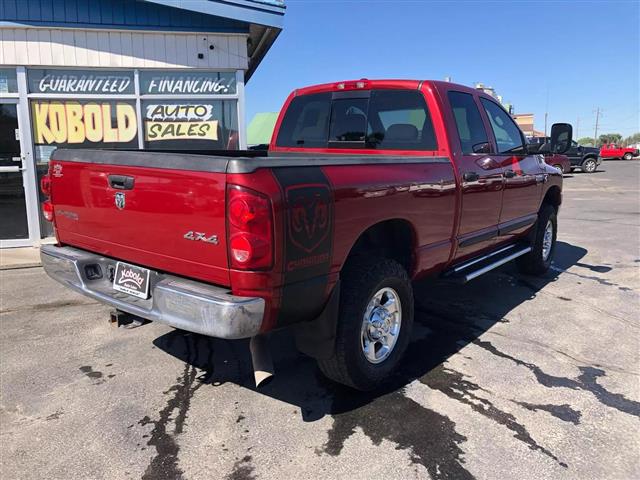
x,y
13,209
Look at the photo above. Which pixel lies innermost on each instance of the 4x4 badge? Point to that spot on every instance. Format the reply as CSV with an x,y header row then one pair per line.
x,y
120,200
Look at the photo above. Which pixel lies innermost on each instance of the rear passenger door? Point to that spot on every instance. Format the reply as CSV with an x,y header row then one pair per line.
x,y
480,176
522,172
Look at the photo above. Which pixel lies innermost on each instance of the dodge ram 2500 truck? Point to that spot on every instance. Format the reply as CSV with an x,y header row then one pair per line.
x,y
366,187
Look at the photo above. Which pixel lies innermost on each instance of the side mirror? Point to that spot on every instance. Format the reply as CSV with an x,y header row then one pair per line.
x,y
561,136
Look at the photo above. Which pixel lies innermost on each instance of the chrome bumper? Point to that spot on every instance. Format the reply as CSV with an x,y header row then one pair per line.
x,y
185,304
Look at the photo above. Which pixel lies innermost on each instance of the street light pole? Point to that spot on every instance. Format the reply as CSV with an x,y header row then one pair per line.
x,y
595,134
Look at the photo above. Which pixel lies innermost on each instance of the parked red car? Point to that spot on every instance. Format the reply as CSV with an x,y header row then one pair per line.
x,y
612,150
367,186
561,162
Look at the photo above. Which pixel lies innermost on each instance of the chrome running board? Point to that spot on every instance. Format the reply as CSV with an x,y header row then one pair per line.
x,y
464,272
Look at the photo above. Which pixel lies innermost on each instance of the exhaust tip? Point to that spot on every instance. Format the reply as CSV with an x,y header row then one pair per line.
x,y
262,379
263,371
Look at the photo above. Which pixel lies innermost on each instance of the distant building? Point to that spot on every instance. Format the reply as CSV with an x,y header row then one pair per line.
x,y
492,91
525,122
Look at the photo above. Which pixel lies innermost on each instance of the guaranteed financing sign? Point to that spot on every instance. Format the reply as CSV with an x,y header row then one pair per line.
x,y
79,81
187,83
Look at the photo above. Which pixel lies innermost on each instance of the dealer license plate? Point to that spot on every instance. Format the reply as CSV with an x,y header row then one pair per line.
x,y
132,280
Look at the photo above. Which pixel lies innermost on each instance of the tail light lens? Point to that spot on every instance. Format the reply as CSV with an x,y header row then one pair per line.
x,y
47,206
47,210
250,227
45,185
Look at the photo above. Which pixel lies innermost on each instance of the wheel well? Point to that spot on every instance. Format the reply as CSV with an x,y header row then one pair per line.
x,y
589,157
394,239
553,197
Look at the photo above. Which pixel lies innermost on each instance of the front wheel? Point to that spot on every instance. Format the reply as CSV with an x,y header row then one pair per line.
x,y
589,165
374,323
628,156
538,260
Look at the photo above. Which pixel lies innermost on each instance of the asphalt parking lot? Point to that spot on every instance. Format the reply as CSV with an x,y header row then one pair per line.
x,y
507,377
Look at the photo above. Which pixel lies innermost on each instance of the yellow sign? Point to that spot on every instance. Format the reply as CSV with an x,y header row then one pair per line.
x,y
75,122
207,130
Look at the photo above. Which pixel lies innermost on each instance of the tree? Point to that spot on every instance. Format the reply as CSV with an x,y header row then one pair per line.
x,y
609,138
632,139
586,141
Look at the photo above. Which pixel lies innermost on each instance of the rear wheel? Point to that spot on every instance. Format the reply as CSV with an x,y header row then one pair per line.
x,y
589,165
374,323
538,260
628,156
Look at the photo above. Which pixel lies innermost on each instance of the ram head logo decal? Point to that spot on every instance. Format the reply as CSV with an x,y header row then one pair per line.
x,y
309,215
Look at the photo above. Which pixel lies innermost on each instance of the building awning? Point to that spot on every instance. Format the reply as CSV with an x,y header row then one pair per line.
x,y
264,17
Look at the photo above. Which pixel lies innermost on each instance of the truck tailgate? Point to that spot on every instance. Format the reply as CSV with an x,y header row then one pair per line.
x,y
166,217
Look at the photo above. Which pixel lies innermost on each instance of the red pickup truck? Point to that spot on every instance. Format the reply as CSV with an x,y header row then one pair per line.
x,y
367,186
614,151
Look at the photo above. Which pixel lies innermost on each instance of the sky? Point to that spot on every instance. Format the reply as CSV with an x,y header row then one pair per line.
x,y
564,57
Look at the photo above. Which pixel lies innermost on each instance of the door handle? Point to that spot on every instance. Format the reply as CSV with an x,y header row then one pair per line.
x,y
470,176
509,174
121,182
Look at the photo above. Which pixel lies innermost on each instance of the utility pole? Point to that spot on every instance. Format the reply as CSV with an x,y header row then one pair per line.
x,y
595,134
577,128
546,112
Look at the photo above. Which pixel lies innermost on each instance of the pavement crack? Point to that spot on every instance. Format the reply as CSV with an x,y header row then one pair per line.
x,y
563,412
587,381
164,466
428,436
455,386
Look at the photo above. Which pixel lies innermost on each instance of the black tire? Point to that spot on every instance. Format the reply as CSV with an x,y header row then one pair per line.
x,y
361,279
535,262
589,165
627,156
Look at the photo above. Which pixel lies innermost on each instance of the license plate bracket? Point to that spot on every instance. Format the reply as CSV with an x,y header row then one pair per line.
x,y
132,280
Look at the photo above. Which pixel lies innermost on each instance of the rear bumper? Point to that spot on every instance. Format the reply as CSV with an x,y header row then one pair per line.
x,y
185,304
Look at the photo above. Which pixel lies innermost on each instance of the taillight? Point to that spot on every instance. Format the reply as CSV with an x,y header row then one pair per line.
x,y
250,227
47,206
47,210
45,185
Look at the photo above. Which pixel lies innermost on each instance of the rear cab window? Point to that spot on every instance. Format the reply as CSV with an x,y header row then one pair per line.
x,y
376,119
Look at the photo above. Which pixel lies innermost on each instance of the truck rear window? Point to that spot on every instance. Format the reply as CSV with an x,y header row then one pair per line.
x,y
386,120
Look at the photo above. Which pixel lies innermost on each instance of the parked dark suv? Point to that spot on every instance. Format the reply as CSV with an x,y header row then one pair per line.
x,y
585,158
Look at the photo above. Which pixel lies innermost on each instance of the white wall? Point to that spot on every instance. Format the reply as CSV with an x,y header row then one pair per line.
x,y
120,48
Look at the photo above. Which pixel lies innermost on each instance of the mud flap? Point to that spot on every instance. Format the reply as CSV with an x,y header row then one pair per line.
x,y
317,337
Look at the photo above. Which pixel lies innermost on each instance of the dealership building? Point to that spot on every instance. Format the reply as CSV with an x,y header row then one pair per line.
x,y
119,74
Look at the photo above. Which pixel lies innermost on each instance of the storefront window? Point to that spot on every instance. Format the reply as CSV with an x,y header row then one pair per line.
x,y
82,124
190,125
8,82
178,110
187,83
98,82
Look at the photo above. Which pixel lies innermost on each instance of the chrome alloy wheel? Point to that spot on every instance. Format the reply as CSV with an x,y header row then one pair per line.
x,y
547,241
381,325
590,166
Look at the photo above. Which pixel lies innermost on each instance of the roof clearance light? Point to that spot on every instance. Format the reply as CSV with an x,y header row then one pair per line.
x,y
360,84
340,86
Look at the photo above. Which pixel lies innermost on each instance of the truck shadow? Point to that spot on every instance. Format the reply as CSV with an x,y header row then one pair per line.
x,y
448,317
